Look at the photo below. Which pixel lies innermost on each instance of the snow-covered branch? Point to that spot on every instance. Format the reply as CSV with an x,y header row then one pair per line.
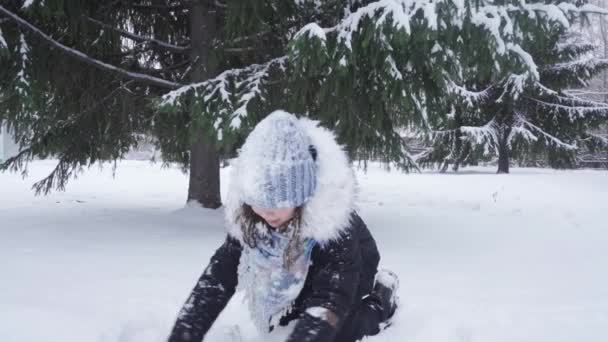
x,y
182,5
87,59
481,135
587,62
22,82
579,92
247,81
485,136
521,123
573,111
526,59
3,44
520,130
27,3
515,85
312,30
603,138
575,100
470,97
138,38
252,88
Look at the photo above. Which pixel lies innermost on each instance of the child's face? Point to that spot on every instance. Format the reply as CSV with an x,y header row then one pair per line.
x,y
275,217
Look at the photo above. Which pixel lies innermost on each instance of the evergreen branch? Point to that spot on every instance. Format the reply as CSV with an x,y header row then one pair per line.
x,y
410,161
471,97
477,136
592,9
556,12
58,178
577,92
572,98
147,79
122,87
171,7
108,5
16,162
555,140
244,38
241,49
138,38
546,89
602,138
521,130
253,83
514,84
189,68
484,135
570,49
211,87
574,66
525,57
568,108
220,4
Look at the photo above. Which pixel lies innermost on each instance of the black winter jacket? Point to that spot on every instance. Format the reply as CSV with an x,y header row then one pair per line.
x,y
342,272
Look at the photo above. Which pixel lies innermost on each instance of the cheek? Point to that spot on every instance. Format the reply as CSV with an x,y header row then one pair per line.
x,y
287,216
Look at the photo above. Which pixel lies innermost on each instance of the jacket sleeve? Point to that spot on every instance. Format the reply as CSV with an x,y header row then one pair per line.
x,y
210,294
334,287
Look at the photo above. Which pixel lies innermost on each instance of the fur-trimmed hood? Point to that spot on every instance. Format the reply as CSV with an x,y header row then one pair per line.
x,y
328,212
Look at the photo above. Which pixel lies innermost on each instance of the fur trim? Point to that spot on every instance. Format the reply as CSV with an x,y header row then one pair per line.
x,y
327,213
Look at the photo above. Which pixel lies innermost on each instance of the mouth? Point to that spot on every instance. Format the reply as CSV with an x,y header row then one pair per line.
x,y
274,222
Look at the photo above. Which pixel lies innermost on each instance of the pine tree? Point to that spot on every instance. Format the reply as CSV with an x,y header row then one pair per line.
x,y
522,119
198,75
77,84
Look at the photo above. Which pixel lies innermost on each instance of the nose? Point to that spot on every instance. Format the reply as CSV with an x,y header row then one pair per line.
x,y
268,213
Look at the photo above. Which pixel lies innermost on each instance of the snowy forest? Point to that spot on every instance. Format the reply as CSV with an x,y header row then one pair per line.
x,y
477,131
470,82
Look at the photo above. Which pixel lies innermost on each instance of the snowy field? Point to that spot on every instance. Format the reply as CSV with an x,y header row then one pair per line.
x,y
481,257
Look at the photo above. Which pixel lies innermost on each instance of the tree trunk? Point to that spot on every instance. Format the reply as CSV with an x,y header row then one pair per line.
x,y
503,152
204,185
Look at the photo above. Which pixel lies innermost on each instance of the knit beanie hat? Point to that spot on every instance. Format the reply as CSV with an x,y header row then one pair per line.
x,y
276,166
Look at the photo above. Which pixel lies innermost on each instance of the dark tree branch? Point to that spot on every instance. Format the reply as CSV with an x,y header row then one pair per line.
x,y
151,80
18,162
107,6
173,7
59,177
187,71
228,42
175,66
138,38
121,87
240,50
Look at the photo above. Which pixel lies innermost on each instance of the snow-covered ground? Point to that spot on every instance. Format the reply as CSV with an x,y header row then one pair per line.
x,y
481,257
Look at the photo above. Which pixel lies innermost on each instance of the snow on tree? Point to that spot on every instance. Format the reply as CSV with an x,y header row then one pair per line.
x,y
198,75
521,117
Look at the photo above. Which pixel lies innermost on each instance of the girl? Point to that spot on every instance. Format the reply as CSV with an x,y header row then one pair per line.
x,y
295,245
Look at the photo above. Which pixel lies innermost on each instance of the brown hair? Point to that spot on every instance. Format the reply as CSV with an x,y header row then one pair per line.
x,y
249,221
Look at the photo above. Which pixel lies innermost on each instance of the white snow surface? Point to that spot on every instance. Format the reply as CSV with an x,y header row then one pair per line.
x,y
480,256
